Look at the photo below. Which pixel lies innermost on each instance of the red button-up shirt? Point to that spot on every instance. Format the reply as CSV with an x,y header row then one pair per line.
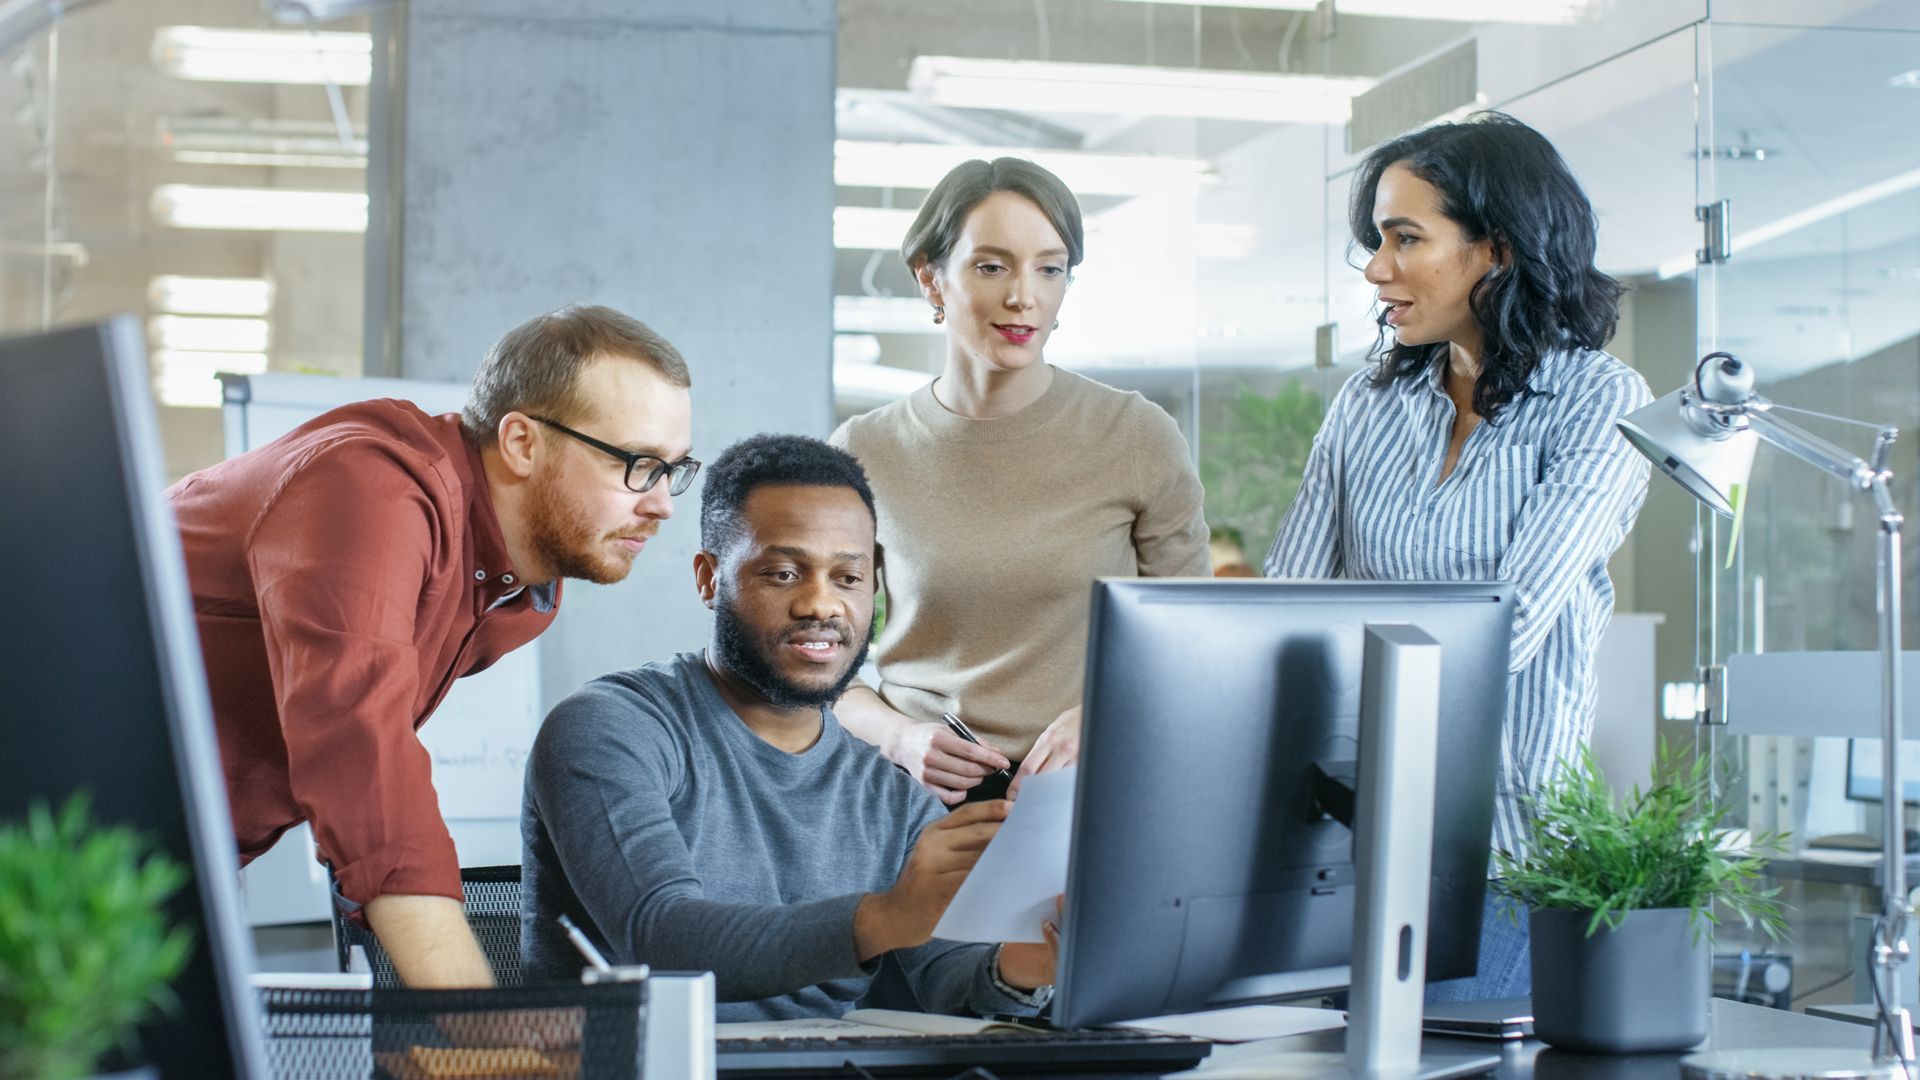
x,y
343,576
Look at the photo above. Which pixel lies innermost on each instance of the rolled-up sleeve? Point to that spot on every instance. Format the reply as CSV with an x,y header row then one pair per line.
x,y
340,559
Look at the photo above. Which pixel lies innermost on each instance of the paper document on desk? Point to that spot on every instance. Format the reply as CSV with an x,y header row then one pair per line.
x,y
1244,1024
1011,889
864,1024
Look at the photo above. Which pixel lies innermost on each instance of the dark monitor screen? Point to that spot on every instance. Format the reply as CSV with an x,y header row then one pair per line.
x,y
101,664
1202,870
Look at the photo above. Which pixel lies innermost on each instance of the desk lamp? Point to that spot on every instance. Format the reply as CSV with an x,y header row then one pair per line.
x,y
1704,435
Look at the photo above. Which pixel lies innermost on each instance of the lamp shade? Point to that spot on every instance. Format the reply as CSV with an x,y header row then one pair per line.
x,y
1710,466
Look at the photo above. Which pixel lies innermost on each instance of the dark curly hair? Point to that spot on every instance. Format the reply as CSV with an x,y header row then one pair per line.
x,y
765,460
1500,180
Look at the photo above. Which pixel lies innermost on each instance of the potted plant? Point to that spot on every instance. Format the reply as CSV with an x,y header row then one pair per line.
x,y
1623,895
86,949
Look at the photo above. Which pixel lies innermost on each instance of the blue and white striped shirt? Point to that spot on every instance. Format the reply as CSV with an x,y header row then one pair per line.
x,y
1540,497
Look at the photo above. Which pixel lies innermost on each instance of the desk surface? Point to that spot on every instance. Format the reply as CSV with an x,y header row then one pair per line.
x,y
1736,1026
1864,873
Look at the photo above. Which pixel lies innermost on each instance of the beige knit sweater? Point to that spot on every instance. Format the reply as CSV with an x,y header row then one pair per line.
x,y
993,532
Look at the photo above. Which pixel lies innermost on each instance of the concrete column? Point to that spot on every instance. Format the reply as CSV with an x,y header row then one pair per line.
x,y
671,159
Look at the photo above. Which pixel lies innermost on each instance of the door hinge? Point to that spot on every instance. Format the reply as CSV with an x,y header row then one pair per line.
x,y
1717,223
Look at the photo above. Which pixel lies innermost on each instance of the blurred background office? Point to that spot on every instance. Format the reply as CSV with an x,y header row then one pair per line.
x,y
365,189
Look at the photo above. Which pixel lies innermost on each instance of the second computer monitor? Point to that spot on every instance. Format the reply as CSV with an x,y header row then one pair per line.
x,y
1203,870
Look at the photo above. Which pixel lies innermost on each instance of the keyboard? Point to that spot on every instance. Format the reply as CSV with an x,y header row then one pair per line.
x,y
1004,1052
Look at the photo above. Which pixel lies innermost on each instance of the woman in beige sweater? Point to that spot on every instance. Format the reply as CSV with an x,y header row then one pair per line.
x,y
1004,488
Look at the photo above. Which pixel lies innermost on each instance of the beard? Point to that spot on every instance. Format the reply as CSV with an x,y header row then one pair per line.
x,y
749,658
565,540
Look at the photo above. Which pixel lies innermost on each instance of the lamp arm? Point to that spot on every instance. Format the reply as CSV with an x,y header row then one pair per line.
x,y
1812,449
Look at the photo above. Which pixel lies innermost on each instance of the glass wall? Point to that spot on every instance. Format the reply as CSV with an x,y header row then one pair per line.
x,y
187,162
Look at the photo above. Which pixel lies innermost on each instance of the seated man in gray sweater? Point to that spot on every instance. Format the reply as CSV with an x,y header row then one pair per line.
x,y
708,813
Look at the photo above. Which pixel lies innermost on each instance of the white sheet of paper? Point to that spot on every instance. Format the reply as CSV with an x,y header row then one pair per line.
x,y
1011,889
1243,1024
818,1027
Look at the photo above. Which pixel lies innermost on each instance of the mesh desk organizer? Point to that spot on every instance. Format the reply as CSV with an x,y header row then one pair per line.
x,y
557,1032
560,1031
492,895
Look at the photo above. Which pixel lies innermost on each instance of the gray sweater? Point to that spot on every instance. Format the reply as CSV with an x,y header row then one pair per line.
x,y
676,837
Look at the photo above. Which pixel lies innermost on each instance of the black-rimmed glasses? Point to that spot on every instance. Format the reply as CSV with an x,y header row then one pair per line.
x,y
643,470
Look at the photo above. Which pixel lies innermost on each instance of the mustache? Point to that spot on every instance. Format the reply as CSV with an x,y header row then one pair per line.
x,y
840,627
645,532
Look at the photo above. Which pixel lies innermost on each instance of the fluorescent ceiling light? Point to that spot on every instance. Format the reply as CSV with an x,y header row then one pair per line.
x,y
1036,86
875,384
178,295
883,315
856,349
284,161
264,56
868,228
1812,215
197,333
190,206
921,165
190,379
1513,11
256,135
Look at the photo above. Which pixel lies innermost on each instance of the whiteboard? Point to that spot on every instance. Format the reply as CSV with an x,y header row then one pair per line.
x,y
480,735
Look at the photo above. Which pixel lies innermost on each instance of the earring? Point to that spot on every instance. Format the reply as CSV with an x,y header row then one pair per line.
x,y
939,315
1056,324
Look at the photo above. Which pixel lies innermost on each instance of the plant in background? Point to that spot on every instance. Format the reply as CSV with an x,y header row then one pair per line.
x,y
86,951
1251,459
1664,847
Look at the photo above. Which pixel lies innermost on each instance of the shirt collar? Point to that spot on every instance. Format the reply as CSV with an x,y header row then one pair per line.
x,y
488,563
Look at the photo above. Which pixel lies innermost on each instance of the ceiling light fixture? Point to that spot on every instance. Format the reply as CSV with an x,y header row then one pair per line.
x,y
200,333
211,54
1549,12
921,165
190,206
870,228
1036,86
177,295
883,315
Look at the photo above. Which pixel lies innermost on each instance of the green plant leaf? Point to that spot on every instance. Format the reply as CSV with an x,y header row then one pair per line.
x,y
1659,847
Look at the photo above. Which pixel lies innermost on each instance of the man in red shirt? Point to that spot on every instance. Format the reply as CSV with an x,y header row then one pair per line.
x,y
345,574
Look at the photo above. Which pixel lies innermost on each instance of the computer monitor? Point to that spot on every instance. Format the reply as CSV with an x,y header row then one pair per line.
x,y
1864,783
101,664
1203,870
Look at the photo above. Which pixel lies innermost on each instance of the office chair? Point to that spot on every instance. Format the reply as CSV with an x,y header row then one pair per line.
x,y
493,912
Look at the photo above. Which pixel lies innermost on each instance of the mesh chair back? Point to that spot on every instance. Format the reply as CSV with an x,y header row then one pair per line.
x,y
493,912
558,1032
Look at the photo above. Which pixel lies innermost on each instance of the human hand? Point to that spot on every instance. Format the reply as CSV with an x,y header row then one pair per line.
x,y
1026,966
905,915
943,762
1056,748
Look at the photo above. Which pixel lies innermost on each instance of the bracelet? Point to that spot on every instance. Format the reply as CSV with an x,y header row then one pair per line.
x,y
1036,998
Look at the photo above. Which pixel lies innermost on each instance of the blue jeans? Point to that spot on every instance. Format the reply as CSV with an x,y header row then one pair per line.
x,y
1506,964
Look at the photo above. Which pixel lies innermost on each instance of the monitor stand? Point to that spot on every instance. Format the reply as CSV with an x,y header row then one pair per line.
x,y
1392,856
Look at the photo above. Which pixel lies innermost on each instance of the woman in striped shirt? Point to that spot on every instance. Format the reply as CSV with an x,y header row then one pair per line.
x,y
1480,443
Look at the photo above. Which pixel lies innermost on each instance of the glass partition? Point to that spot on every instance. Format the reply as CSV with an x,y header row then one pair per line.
x,y
189,163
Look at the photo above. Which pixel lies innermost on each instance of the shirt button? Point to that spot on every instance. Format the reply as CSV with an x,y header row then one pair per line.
x,y
479,575
506,579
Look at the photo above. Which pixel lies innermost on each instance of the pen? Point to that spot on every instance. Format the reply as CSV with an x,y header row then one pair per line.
x,y
586,948
954,725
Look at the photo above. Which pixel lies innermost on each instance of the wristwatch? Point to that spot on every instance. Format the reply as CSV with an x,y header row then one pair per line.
x,y
1036,998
